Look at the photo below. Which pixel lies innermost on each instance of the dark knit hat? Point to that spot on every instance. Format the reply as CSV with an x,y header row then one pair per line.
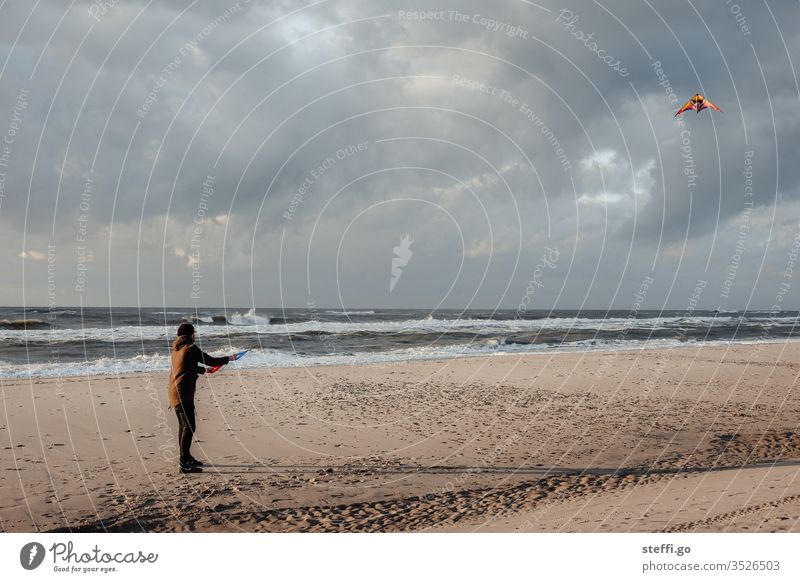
x,y
185,329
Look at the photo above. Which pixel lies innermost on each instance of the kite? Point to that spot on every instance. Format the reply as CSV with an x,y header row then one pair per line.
x,y
238,355
698,103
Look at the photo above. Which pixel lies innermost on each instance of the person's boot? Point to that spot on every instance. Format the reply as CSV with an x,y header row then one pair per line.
x,y
190,468
195,462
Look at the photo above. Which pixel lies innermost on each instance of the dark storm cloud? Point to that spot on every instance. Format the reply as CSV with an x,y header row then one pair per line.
x,y
490,132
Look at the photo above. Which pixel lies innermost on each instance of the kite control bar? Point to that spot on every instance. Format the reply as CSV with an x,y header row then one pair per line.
x,y
237,356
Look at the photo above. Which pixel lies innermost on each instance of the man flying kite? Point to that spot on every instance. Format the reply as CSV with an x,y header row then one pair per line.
x,y
186,359
698,103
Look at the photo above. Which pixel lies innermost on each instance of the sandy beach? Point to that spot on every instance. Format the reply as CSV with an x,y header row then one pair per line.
x,y
688,439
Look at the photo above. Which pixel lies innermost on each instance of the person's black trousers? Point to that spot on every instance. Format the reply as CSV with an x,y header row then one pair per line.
x,y
186,428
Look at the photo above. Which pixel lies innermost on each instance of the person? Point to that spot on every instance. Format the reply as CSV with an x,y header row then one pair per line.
x,y
186,360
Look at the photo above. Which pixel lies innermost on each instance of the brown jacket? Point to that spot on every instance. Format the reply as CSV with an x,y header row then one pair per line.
x,y
186,359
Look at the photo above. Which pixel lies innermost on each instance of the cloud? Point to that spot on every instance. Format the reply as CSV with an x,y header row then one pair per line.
x,y
496,124
32,255
487,248
600,160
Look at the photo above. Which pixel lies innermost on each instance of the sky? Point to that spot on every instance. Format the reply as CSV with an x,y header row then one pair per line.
x,y
512,154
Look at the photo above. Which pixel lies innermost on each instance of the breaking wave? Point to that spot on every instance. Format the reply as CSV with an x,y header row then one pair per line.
x,y
267,358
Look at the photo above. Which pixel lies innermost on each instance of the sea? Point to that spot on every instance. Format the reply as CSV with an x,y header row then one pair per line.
x,y
61,342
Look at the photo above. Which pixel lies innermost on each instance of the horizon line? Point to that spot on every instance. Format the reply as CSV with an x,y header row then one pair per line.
x,y
340,308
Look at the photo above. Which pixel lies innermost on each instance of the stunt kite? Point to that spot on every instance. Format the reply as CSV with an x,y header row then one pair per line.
x,y
698,103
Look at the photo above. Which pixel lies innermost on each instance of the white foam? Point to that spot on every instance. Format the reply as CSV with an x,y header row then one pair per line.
x,y
250,322
346,313
265,358
101,366
249,318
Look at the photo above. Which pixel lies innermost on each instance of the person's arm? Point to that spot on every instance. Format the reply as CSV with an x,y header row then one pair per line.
x,y
200,370
211,360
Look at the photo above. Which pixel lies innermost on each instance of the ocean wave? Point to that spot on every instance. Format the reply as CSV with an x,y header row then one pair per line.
x,y
774,320
23,324
265,358
347,313
250,323
249,318
143,363
239,319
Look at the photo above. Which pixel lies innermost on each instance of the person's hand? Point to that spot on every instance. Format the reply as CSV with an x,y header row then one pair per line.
x,y
232,357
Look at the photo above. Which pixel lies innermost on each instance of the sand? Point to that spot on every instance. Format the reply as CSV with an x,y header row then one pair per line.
x,y
689,439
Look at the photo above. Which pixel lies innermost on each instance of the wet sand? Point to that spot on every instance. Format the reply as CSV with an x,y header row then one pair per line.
x,y
689,439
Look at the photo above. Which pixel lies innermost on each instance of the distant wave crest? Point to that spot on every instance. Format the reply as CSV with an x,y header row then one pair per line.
x,y
23,324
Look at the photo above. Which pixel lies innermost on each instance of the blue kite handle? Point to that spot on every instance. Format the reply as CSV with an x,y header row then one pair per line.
x,y
214,369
